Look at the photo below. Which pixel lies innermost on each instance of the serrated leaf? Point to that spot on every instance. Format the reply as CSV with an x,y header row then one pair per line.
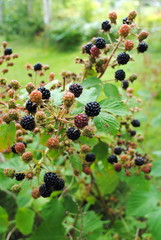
x,y
50,84
76,162
111,91
43,138
3,220
105,123
7,135
89,95
25,220
154,223
100,150
56,96
91,82
115,107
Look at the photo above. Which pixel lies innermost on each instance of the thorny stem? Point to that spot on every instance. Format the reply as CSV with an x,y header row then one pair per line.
x,y
108,61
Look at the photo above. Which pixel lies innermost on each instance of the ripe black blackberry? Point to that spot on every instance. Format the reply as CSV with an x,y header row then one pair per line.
x,y
8,51
100,43
106,26
118,150
142,47
135,123
126,21
45,92
112,159
28,122
90,157
120,75
37,67
59,184
88,47
73,133
125,84
123,58
132,133
76,89
45,191
139,161
50,178
92,109
19,176
31,107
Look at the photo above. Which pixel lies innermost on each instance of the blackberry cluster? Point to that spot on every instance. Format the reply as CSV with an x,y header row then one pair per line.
x,y
120,75
76,89
142,47
28,122
139,161
125,84
50,178
90,157
8,51
106,26
100,43
19,176
112,159
45,92
123,58
37,67
135,123
88,47
92,109
73,133
31,107
118,150
45,191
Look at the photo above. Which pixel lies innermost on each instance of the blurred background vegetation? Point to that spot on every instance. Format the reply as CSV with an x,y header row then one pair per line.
x,y
52,32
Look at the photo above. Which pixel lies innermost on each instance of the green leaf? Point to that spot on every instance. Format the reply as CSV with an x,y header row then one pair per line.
x,y
76,162
105,123
111,91
56,96
100,150
43,138
88,95
7,135
141,202
91,82
25,220
154,223
113,106
3,220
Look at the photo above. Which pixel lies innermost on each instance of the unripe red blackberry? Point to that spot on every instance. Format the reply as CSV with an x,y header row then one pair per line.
x,y
35,193
117,150
27,157
51,76
128,44
30,87
45,92
8,172
19,176
92,109
90,157
113,17
142,47
15,55
31,107
44,191
100,43
139,161
29,175
8,51
85,148
87,170
117,167
125,84
88,47
135,123
112,159
28,122
68,99
81,120
52,143
4,44
124,30
142,35
76,89
106,26
73,133
14,84
13,114
132,15
123,58
20,147
38,67
5,70
120,75
146,169
36,96
40,116
95,52
11,93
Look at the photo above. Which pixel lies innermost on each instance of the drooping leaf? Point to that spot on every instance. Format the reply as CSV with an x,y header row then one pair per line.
x,y
7,135
111,91
25,220
113,106
3,220
106,123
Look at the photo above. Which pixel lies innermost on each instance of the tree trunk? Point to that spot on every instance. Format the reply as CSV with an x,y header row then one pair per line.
x,y
46,9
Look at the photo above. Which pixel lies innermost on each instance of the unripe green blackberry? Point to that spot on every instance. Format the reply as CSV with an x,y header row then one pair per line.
x,y
40,116
68,99
6,118
12,104
27,157
15,84
8,172
30,87
13,114
88,132
16,188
